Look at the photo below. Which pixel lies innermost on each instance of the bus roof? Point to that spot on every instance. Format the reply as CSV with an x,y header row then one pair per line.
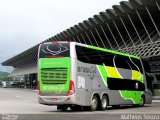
x,y
98,48
107,50
114,52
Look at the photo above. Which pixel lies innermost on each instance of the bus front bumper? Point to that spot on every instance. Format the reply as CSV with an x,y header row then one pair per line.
x,y
56,100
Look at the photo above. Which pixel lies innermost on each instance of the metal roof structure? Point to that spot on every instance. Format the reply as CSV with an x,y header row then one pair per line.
x,y
131,27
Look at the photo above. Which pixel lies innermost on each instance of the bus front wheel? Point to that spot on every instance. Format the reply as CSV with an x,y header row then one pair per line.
x,y
142,101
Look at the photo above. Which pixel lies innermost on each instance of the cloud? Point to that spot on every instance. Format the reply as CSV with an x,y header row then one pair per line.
x,y
24,23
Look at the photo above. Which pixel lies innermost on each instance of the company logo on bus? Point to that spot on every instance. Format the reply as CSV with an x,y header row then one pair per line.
x,y
89,70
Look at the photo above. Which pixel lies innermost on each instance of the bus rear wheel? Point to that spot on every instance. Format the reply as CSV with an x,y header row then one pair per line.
x,y
104,102
62,107
94,103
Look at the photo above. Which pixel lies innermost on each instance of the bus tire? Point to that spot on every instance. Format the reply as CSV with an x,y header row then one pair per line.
x,y
94,103
104,102
76,108
73,108
142,101
62,107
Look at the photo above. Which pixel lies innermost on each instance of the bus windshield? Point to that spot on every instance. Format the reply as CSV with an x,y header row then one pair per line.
x,y
54,50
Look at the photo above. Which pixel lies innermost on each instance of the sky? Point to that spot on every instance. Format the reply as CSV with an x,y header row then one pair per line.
x,y
25,23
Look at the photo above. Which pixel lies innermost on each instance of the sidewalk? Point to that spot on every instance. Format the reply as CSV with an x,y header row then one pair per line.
x,y
156,98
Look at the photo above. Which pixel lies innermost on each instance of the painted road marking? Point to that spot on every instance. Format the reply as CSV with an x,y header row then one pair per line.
x,y
155,100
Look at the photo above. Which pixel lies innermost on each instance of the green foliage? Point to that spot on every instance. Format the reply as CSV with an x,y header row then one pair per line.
x,y
4,76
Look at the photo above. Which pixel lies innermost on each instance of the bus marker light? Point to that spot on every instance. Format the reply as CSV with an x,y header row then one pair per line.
x,y
71,88
38,87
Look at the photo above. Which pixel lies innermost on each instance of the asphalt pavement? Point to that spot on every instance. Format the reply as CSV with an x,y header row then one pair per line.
x,y
22,104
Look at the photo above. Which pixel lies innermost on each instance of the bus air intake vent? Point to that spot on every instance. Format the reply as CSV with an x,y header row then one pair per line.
x,y
54,75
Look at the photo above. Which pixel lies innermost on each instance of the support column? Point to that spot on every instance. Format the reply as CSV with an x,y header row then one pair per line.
x,y
112,35
106,38
78,39
100,37
135,28
94,38
144,25
127,31
74,39
157,5
88,38
152,20
119,33
83,38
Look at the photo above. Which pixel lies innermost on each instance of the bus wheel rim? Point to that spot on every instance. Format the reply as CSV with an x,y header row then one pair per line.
x,y
142,101
104,103
94,103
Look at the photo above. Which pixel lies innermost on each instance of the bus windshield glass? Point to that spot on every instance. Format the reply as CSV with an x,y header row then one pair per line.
x,y
54,50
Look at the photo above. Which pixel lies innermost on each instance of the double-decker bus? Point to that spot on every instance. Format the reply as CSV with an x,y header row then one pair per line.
x,y
76,75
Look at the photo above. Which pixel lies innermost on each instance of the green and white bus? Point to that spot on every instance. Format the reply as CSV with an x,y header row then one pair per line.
x,y
76,75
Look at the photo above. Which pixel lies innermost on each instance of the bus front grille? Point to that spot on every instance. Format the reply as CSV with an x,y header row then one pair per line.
x,y
54,75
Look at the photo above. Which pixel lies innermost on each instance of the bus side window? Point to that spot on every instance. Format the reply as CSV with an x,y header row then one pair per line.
x,y
92,56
